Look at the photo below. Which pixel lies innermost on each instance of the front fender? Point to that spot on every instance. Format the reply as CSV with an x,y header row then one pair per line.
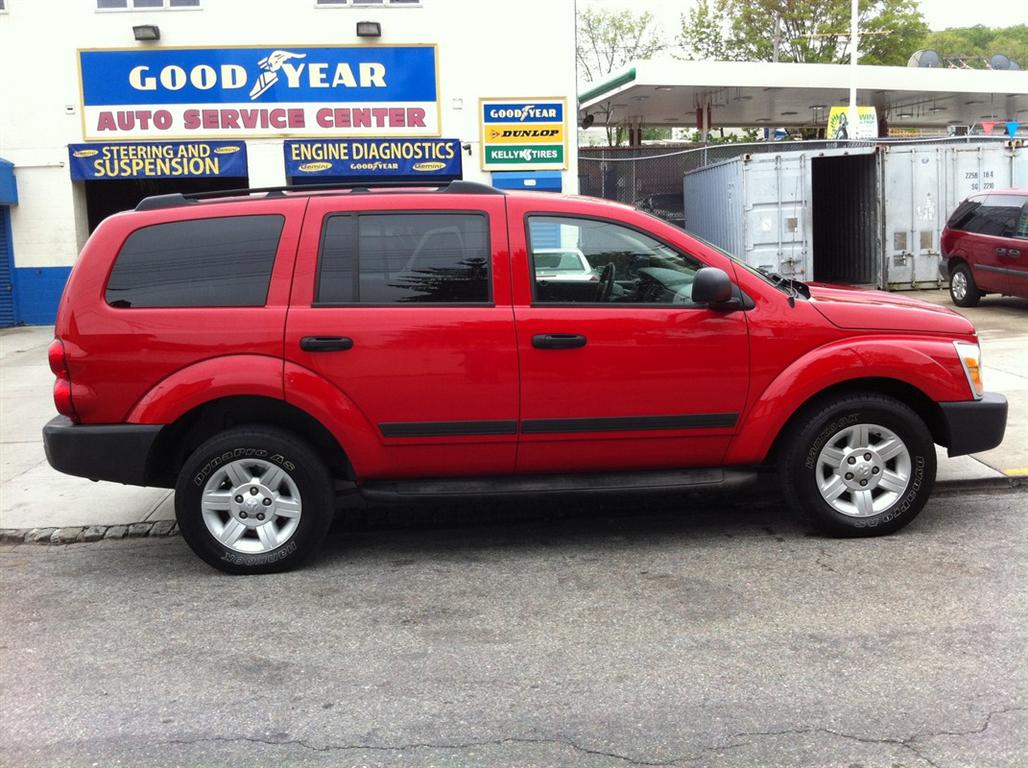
x,y
211,379
929,365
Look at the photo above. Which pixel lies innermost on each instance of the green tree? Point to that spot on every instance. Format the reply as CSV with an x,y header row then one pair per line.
x,y
702,35
976,45
606,42
812,31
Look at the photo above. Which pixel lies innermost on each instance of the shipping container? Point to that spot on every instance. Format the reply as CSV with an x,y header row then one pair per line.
x,y
864,215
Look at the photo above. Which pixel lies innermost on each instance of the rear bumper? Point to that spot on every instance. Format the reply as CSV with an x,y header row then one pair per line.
x,y
115,452
975,425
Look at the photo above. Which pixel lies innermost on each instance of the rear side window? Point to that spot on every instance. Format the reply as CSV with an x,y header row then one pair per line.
x,y
404,258
964,215
223,262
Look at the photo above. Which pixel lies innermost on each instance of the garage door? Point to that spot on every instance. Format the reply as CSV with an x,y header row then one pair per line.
x,y
6,269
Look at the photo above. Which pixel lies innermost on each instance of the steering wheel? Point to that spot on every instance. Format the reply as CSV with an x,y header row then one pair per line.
x,y
606,285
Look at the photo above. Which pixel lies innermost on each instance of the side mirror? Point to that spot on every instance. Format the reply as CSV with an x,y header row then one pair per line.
x,y
711,286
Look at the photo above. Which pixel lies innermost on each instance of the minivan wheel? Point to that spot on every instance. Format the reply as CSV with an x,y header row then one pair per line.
x,y
863,465
254,500
962,288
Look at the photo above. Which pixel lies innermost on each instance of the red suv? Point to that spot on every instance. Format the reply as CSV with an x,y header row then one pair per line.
x,y
985,247
263,354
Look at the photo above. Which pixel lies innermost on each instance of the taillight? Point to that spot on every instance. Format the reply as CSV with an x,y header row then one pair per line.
x,y
62,387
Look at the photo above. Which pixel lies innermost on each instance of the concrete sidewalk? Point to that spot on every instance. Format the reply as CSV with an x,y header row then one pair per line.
x,y
34,496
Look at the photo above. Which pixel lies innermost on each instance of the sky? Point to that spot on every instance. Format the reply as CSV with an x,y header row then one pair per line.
x,y
938,13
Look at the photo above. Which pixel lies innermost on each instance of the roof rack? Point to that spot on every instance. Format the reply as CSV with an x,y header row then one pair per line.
x,y
458,187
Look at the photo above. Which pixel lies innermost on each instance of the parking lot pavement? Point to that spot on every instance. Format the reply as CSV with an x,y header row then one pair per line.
x,y
634,632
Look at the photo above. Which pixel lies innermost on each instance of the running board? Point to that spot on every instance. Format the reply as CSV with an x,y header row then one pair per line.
x,y
456,487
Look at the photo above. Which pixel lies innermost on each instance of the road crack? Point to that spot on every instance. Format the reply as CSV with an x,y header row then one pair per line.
x,y
302,743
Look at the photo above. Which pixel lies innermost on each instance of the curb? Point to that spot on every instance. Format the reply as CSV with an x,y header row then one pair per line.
x,y
79,534
166,528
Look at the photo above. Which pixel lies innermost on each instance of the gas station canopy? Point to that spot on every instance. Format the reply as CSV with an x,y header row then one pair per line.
x,y
759,94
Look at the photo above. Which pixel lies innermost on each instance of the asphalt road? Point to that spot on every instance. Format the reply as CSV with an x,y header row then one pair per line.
x,y
724,635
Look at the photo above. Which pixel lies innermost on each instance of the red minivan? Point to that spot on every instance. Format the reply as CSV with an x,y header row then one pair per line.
x,y
265,352
985,247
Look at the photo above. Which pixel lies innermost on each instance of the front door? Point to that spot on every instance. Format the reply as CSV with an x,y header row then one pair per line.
x,y
408,313
619,369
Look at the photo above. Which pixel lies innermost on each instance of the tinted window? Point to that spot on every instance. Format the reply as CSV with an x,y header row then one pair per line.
x,y
1021,232
620,265
405,258
963,214
224,262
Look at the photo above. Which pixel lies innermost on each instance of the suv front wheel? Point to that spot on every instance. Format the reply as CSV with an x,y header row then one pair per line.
x,y
863,465
254,500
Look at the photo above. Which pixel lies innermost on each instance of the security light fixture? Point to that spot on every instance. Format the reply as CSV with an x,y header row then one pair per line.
x,y
904,114
146,33
588,120
369,29
789,113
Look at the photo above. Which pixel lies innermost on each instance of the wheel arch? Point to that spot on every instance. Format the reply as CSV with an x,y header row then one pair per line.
x,y
926,408
177,440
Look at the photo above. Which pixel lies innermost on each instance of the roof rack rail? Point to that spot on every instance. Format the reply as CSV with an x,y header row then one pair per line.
x,y
457,187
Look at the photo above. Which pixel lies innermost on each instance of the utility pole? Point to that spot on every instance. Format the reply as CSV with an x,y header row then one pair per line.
x,y
853,116
778,36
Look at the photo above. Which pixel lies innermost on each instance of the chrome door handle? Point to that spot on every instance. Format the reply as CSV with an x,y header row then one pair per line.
x,y
1001,251
1015,252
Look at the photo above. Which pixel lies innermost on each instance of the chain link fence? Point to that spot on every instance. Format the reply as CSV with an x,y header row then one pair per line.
x,y
632,174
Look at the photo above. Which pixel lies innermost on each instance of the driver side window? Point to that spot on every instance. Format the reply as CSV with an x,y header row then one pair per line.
x,y
588,261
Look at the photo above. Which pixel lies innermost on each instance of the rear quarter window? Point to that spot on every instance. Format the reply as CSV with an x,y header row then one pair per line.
x,y
220,262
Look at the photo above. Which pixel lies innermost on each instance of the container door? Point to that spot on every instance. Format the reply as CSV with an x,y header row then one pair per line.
x,y
775,216
915,213
7,317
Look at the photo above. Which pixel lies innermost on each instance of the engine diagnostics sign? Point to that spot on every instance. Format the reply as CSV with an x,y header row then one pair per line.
x,y
185,93
519,134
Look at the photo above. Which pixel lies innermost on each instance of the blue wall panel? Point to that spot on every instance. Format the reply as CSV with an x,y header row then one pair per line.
x,y
37,292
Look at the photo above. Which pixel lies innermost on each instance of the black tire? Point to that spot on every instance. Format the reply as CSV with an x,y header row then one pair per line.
x,y
813,429
972,295
302,467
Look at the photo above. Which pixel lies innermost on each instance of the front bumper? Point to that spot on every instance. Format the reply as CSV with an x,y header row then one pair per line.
x,y
975,425
115,452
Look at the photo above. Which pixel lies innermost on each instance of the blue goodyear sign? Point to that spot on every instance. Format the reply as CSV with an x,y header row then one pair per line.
x,y
523,112
156,160
260,91
402,158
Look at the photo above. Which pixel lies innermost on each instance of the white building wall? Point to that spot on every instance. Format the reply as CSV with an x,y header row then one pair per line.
x,y
486,48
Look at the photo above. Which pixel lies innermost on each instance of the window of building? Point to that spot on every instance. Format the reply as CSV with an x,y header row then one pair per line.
x,y
144,5
587,261
408,258
224,262
367,3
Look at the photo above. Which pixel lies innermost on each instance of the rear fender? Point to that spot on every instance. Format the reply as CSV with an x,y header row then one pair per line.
x,y
324,401
210,379
930,366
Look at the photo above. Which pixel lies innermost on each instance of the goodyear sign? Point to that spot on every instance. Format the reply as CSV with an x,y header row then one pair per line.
x,y
179,93
156,160
393,158
523,134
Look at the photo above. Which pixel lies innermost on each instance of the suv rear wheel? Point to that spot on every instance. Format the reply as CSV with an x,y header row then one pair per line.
x,y
863,465
254,500
962,288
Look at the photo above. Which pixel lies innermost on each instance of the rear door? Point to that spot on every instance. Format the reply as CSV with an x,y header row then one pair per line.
x,y
987,245
1016,257
626,372
403,303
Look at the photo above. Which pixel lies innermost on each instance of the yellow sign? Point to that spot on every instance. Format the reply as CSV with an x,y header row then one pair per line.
x,y
525,134
839,124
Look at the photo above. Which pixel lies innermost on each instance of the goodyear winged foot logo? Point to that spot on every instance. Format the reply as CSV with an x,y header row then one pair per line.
x,y
270,65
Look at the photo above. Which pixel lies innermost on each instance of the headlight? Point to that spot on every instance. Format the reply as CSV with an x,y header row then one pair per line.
x,y
971,359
